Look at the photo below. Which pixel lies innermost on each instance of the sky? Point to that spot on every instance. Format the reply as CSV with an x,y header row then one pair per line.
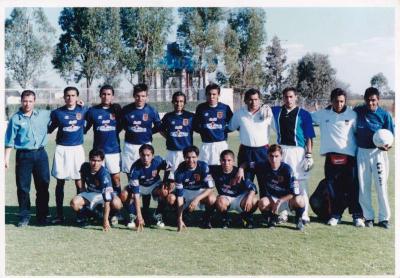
x,y
360,41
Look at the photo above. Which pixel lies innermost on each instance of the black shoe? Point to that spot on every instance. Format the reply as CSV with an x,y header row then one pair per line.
x,y
369,223
272,222
248,222
58,220
23,222
384,224
206,224
226,223
43,221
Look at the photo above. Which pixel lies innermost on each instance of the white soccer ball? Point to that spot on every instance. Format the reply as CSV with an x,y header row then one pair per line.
x,y
383,137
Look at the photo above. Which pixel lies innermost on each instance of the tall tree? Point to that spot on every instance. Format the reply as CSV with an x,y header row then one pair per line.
x,y
231,56
28,41
248,23
144,32
275,66
199,33
316,77
380,82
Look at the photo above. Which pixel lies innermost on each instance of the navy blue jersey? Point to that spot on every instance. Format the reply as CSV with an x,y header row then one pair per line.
x,y
148,176
106,127
178,129
70,124
224,183
99,182
277,183
368,122
140,123
192,179
293,128
212,122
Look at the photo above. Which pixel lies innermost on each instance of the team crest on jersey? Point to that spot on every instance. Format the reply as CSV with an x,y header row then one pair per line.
x,y
78,116
197,177
185,122
154,173
112,116
145,117
220,115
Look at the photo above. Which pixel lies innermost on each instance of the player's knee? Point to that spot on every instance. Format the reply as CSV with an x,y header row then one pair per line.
x,y
221,204
76,203
299,201
116,203
124,196
263,204
211,199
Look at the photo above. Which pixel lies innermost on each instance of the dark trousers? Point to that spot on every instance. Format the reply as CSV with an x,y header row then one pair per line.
x,y
32,163
253,156
343,186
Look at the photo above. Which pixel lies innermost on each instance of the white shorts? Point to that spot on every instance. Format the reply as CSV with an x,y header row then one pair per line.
x,y
112,162
294,156
93,198
209,152
174,158
67,162
147,190
234,202
129,155
189,195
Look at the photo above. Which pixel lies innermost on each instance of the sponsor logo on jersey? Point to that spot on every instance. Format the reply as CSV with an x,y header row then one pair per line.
x,y
185,122
100,117
220,115
145,117
197,177
66,117
78,116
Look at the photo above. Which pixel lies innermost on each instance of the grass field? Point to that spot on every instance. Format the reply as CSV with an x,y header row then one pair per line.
x,y
70,250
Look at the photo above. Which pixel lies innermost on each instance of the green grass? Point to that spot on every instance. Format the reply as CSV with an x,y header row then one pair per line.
x,y
69,250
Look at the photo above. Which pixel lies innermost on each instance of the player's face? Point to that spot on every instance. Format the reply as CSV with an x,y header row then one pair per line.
x,y
338,103
212,97
227,162
140,98
106,97
372,102
146,157
253,103
28,102
95,163
70,98
191,160
275,159
179,103
289,99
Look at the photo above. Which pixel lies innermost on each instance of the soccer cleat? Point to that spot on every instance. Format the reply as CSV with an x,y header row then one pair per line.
x,y
43,221
114,220
58,220
333,221
23,222
226,223
358,222
206,223
300,224
248,222
272,222
369,223
159,220
384,224
131,223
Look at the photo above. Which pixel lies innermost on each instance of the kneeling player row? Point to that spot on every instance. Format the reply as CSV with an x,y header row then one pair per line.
x,y
190,187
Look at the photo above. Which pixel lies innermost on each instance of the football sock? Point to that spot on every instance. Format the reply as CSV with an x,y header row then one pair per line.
x,y
132,208
146,202
160,207
59,197
299,212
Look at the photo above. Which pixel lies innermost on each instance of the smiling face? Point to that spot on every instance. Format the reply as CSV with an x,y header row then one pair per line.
x,y
338,103
179,103
372,102
191,160
253,102
140,99
106,97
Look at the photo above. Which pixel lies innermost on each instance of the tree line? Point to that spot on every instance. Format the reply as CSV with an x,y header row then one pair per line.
x,y
108,44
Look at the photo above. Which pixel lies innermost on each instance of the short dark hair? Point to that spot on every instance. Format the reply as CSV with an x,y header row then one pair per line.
x,y
227,152
26,93
70,88
370,92
96,152
141,87
213,86
288,89
179,94
251,92
338,92
273,148
191,149
146,147
106,87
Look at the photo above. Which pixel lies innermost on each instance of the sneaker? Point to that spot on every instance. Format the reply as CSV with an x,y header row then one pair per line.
x,y
272,222
248,222
58,220
226,223
23,222
131,223
114,220
300,224
333,221
283,217
369,223
159,220
206,223
358,222
384,224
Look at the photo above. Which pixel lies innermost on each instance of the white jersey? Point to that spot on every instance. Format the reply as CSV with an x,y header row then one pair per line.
x,y
254,129
337,130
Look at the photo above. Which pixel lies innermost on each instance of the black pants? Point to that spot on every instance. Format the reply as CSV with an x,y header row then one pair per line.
x,y
32,163
343,186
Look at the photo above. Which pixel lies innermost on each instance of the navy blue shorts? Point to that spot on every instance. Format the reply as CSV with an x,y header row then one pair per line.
x,y
252,154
